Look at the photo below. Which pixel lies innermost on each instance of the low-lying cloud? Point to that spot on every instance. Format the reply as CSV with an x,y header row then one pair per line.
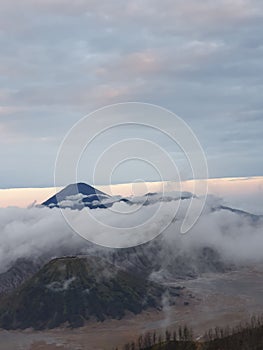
x,y
36,232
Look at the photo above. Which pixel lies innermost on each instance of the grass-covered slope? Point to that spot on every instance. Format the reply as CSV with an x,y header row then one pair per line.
x,y
74,289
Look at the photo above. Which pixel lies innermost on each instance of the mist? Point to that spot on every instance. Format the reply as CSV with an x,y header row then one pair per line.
x,y
34,232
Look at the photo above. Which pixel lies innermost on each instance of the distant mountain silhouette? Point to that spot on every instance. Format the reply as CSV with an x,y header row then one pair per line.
x,y
80,195
77,196
243,213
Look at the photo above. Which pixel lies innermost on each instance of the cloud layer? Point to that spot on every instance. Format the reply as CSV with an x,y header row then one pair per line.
x,y
37,232
60,60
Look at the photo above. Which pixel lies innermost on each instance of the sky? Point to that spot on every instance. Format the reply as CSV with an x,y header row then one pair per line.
x,y
61,60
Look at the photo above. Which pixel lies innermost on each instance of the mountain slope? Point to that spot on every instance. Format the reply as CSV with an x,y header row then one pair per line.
x,y
17,274
73,289
76,196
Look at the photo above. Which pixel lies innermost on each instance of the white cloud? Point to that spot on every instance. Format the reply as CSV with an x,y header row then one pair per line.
x,y
35,232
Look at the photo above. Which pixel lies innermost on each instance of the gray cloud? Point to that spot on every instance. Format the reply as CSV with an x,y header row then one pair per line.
x,y
37,232
60,60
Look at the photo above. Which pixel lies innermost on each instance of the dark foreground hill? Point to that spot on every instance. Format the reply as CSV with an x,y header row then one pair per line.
x,y
71,290
247,336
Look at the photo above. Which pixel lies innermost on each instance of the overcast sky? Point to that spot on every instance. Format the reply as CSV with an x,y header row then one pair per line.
x,y
62,59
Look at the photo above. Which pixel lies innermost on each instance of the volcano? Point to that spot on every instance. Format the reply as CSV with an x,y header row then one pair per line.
x,y
79,195
71,290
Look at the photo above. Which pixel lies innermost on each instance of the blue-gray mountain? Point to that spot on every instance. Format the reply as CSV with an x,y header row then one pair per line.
x,y
77,196
80,195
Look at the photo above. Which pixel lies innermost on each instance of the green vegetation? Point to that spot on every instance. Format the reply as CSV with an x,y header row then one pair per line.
x,y
248,336
71,290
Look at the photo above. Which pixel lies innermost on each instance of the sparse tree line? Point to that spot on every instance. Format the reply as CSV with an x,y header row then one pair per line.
x,y
246,336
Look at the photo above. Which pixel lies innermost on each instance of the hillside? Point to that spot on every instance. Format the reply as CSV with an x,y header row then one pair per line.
x,y
21,270
247,336
149,259
74,289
